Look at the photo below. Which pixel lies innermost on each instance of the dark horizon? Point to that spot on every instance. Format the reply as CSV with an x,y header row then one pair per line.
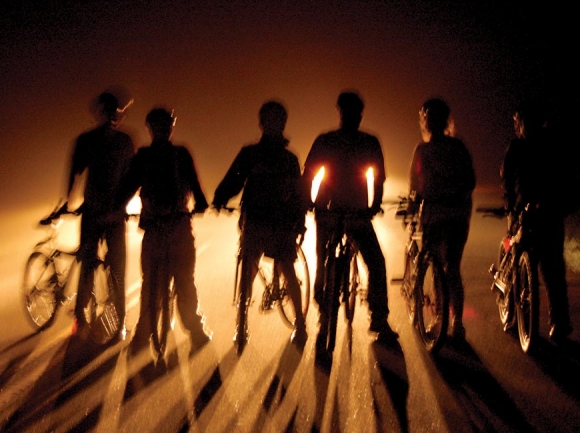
x,y
215,63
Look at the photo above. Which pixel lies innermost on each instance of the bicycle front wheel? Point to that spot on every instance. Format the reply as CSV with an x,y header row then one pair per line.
x,y
432,303
40,289
101,311
286,306
527,302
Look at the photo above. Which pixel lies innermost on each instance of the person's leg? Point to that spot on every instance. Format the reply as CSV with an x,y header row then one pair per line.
x,y
182,259
149,259
553,266
117,258
370,250
457,232
299,334
89,242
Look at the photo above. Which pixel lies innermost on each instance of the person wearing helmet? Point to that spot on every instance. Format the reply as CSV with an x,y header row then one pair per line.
x,y
272,210
347,154
104,153
535,172
166,176
442,179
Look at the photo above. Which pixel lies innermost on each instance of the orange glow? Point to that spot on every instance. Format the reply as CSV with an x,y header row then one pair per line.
x,y
370,186
316,183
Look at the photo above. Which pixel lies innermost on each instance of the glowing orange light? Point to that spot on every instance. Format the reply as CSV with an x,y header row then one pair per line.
x,y
316,183
134,206
370,185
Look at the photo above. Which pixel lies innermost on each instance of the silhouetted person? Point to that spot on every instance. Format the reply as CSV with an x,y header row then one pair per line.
x,y
166,176
272,208
442,179
105,153
346,155
534,171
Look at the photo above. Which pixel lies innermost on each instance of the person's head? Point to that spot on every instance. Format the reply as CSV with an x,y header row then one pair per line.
x,y
434,117
160,122
107,108
350,106
529,119
272,117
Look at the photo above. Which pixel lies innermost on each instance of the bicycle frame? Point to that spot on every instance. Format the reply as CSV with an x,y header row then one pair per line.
x,y
47,275
427,304
515,279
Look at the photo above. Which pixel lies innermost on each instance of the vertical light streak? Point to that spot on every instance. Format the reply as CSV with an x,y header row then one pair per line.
x,y
370,186
316,184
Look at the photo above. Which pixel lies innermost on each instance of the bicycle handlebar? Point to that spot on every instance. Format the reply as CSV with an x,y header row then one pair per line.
x,y
58,212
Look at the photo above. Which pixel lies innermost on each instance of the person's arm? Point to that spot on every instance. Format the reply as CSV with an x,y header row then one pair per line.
x,y
415,182
195,186
380,176
78,162
233,182
130,183
508,178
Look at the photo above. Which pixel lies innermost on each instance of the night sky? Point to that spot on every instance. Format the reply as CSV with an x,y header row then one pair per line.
x,y
216,62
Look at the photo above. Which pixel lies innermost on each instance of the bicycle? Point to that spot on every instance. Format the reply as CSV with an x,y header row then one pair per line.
x,y
162,305
515,278
423,286
275,292
342,279
46,276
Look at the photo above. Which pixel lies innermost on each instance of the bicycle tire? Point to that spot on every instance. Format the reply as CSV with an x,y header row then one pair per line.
x,y
328,329
285,306
409,281
505,304
527,302
242,304
432,303
351,283
101,311
40,290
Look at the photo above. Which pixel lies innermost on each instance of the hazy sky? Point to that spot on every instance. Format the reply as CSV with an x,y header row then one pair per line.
x,y
216,62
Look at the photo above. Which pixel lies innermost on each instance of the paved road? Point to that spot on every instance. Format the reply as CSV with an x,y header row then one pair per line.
x,y
51,382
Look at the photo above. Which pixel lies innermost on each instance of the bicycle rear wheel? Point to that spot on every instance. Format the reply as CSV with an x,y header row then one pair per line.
x,y
432,303
101,311
242,303
163,317
527,302
40,289
351,282
329,310
504,301
285,306
409,281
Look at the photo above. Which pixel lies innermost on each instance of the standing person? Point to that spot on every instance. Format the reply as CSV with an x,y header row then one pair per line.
x,y
346,155
105,153
534,172
272,208
442,179
166,176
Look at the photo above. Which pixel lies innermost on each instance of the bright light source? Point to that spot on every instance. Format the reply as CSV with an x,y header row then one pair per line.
x,y
316,184
370,185
134,206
